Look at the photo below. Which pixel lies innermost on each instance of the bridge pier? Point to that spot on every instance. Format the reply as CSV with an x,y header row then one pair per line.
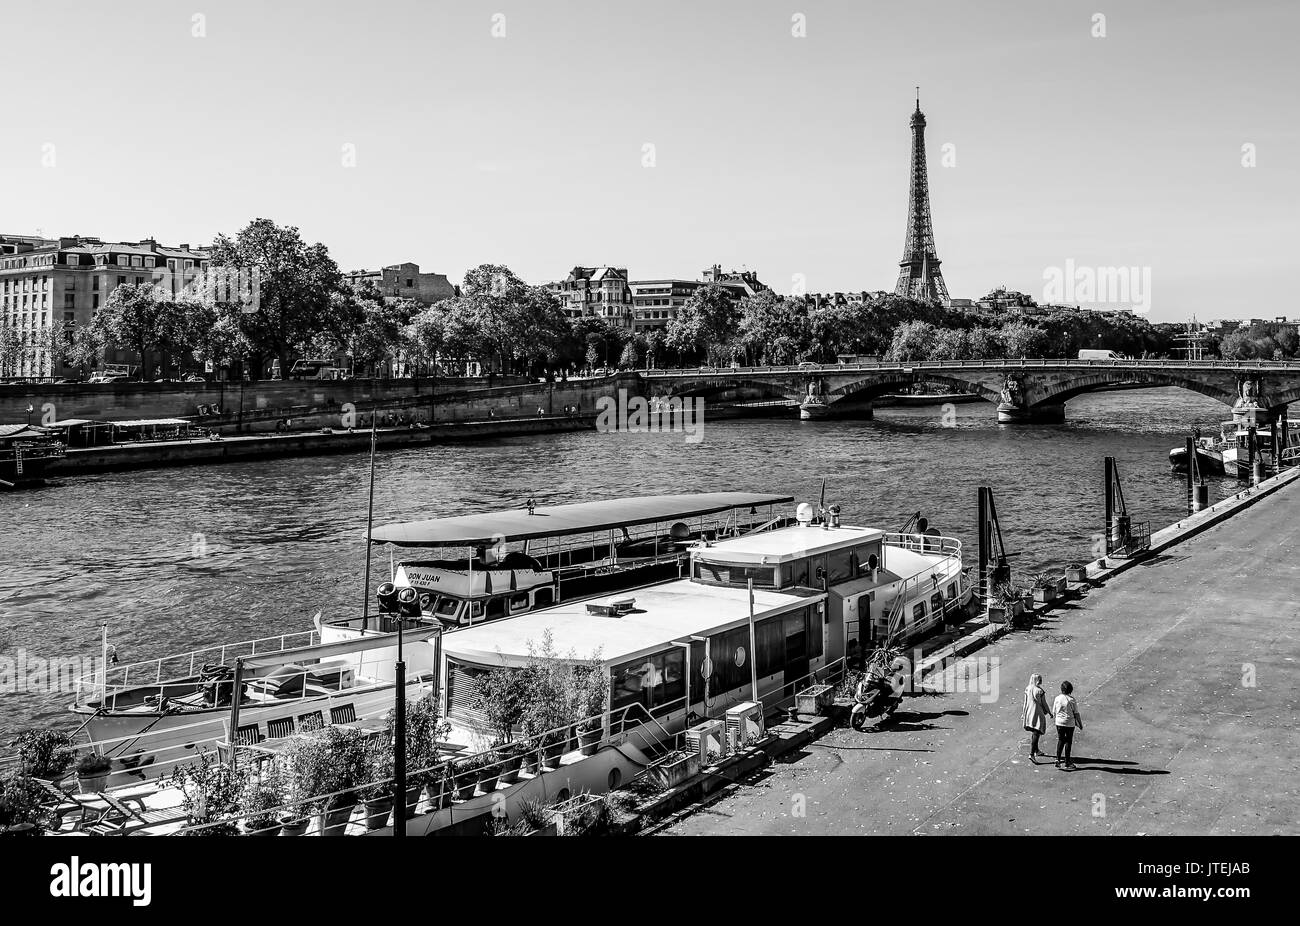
x,y
837,411
1050,413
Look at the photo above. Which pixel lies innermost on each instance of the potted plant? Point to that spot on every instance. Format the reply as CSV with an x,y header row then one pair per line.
x,y
1044,588
489,771
583,814
1076,572
1007,603
22,804
92,772
377,796
44,754
329,766
424,728
511,757
210,791
464,777
589,683
260,797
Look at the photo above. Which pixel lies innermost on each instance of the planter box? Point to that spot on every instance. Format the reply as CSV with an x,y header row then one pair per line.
x,y
1007,612
814,700
1044,595
568,813
675,769
1062,586
1076,574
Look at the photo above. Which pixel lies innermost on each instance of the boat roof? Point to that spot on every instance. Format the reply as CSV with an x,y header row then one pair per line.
x,y
17,430
671,611
146,422
559,520
787,543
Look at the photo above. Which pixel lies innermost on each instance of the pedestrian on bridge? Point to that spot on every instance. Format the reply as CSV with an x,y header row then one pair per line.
x,y
1066,714
1036,714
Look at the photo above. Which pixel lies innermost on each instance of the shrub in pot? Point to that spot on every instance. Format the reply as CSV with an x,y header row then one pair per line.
x,y
22,803
464,777
510,756
43,753
210,792
329,766
92,772
377,795
258,803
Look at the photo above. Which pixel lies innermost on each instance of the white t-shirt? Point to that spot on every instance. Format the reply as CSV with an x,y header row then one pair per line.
x,y
1066,711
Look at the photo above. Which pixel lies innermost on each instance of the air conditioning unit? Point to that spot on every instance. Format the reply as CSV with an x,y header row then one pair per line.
x,y
708,737
744,724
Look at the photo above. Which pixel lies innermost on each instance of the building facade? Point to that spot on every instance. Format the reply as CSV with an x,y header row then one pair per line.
x,y
405,281
655,303
50,286
603,292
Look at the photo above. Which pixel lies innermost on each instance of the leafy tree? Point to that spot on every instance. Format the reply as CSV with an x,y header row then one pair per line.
x,y
950,344
706,325
11,348
627,359
426,336
295,284
136,318
772,330
913,340
1020,339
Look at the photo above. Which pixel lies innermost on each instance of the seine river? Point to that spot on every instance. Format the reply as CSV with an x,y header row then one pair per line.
x,y
174,559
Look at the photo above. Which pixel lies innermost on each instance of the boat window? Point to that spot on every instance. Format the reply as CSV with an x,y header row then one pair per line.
x,y
447,607
936,603
952,591
813,619
518,603
655,681
799,574
475,610
918,612
496,607
839,565
731,574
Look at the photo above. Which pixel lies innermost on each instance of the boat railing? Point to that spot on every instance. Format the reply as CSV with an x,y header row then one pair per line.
x,y
925,543
109,681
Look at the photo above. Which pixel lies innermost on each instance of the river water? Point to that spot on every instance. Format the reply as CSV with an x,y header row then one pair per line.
x,y
174,559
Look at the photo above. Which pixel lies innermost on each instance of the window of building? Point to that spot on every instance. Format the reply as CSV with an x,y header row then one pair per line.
x,y
121,281
121,260
137,261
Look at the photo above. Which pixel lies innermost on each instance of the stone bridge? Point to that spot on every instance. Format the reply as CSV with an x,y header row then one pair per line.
x,y
1023,390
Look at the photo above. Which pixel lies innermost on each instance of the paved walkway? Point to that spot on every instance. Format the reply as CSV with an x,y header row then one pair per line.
x,y
1175,742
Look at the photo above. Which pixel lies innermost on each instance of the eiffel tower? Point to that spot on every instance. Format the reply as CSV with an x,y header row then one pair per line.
x,y
918,275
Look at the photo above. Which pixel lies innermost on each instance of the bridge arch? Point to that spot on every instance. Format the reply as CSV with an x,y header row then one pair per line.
x,y
1060,392
878,384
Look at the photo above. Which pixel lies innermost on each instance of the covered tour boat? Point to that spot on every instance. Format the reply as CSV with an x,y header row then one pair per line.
x,y
27,452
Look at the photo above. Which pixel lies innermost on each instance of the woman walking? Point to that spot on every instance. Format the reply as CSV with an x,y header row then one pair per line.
x,y
1067,718
1036,713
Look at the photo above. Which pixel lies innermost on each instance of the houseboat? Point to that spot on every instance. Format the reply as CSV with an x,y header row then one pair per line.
x,y
167,707
498,564
756,618
27,452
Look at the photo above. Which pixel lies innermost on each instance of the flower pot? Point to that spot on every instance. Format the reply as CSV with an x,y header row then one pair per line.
x,y
412,798
999,614
1076,574
335,822
487,778
552,753
589,740
261,827
293,826
464,785
510,768
92,784
1062,586
1044,594
377,811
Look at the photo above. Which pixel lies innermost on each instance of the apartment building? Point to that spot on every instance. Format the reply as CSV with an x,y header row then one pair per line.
x,y
44,281
405,281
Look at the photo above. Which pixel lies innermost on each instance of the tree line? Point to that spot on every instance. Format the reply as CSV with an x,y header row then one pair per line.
x,y
269,295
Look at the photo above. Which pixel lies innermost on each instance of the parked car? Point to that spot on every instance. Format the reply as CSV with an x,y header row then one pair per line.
x,y
100,378
193,378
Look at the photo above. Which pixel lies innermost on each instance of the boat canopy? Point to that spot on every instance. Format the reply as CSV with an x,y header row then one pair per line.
x,y
341,648
559,520
150,422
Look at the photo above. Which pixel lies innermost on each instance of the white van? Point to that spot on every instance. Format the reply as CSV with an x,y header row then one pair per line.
x,y
1100,355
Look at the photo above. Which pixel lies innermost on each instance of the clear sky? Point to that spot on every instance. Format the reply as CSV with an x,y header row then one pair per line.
x,y
781,154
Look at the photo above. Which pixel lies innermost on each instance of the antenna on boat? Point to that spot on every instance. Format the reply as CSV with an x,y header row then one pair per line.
x,y
370,518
